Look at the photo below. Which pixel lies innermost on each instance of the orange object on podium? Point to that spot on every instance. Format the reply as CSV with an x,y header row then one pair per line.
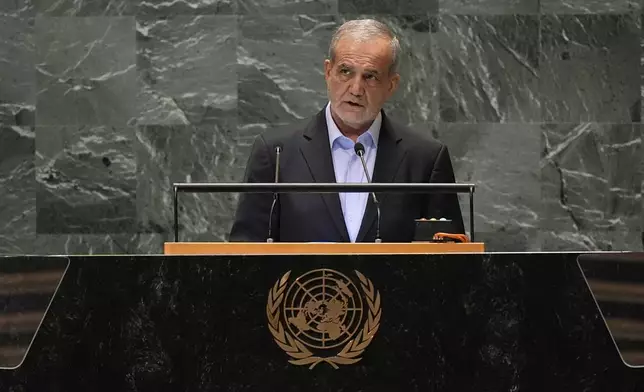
x,y
318,248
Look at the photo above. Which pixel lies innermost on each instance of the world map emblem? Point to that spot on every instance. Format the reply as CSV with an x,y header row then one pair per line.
x,y
323,316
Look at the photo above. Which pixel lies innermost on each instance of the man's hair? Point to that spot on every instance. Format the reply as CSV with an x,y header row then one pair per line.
x,y
364,30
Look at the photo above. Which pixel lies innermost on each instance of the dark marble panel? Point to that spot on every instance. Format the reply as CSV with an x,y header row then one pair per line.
x,y
281,67
564,241
587,67
591,179
169,154
95,244
486,7
413,7
16,8
361,6
503,161
641,73
589,6
288,7
391,7
84,7
86,180
17,81
509,240
17,189
85,71
185,7
186,69
489,68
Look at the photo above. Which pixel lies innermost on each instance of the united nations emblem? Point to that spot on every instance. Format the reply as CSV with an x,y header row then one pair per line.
x,y
322,316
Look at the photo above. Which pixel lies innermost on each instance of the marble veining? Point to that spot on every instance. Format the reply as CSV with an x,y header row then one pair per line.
x,y
17,80
85,71
287,7
562,241
418,67
168,154
587,63
589,6
17,189
15,8
186,69
388,7
591,178
281,67
486,7
83,8
86,180
170,8
508,195
97,244
489,68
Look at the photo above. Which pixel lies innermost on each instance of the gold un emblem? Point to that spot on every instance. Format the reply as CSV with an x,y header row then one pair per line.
x,y
322,316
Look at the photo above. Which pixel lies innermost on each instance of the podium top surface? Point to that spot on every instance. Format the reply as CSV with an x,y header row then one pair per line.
x,y
318,248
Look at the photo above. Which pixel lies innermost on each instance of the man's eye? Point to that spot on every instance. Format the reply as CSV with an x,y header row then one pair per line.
x,y
344,71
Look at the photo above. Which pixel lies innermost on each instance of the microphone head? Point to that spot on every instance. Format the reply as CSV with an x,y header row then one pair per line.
x,y
278,147
359,148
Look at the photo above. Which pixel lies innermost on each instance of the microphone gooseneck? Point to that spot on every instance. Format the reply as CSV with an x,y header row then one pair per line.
x,y
359,149
278,150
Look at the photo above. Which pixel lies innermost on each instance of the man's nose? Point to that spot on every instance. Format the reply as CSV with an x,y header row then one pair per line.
x,y
357,88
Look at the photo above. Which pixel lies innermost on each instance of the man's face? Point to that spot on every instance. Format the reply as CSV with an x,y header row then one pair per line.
x,y
358,80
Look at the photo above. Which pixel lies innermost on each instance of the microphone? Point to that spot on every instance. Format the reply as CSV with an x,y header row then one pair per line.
x,y
278,150
359,149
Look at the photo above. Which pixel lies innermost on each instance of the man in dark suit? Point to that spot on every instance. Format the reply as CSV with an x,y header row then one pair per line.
x,y
361,74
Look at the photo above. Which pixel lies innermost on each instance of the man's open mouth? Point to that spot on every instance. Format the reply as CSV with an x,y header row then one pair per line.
x,y
353,104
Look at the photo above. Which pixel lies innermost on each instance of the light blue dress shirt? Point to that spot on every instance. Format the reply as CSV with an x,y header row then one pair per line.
x,y
348,168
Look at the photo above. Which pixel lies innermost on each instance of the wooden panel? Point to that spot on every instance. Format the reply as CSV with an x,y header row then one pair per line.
x,y
262,248
29,282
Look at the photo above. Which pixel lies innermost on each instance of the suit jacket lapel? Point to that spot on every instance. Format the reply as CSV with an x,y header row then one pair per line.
x,y
317,154
388,158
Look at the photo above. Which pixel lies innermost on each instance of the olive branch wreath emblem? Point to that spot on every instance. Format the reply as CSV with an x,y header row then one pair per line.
x,y
301,355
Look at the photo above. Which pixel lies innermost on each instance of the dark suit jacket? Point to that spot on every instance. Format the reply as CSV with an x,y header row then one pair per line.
x,y
402,156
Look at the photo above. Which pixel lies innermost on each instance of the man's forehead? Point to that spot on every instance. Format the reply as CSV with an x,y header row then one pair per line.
x,y
356,54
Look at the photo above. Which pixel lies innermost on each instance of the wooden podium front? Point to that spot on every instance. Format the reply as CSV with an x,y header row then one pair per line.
x,y
336,248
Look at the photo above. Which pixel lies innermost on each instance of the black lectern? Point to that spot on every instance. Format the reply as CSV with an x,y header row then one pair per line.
x,y
315,322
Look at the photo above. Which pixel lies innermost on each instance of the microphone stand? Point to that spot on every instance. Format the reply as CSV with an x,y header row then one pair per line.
x,y
359,149
278,149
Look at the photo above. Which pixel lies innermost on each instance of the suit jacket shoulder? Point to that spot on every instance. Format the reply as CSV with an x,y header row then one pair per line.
x,y
421,145
287,135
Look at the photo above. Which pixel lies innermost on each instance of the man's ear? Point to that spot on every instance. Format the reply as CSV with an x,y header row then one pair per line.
x,y
394,81
327,68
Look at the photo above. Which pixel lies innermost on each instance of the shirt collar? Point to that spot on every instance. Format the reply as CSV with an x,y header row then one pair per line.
x,y
369,138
